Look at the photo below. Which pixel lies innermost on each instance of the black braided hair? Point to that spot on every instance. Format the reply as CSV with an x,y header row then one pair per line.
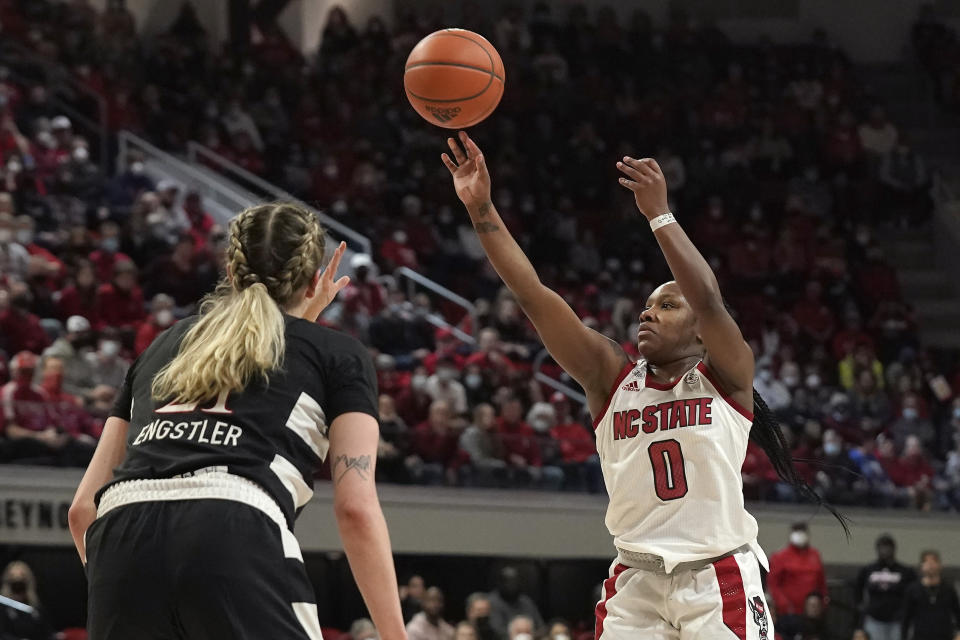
x,y
767,434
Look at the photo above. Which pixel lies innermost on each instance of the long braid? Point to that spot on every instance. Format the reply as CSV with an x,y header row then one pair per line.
x,y
766,433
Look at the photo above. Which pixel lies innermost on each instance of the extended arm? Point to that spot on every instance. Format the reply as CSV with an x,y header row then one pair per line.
x,y
363,530
110,452
728,355
590,358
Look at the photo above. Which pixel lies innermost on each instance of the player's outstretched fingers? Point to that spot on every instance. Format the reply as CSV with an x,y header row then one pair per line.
x,y
457,151
642,166
630,184
449,163
473,150
633,174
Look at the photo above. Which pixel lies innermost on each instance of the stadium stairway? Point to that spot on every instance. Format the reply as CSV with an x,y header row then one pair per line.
x,y
927,258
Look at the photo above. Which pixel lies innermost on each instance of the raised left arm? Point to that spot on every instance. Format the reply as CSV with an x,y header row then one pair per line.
x,y
728,355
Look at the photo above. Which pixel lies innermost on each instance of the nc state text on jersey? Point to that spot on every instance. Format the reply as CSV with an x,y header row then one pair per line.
x,y
662,417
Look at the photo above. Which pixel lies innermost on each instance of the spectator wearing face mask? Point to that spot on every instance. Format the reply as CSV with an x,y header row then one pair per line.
x,y
911,423
444,385
838,479
25,622
108,255
478,616
522,451
396,252
161,318
413,403
520,628
775,393
109,368
120,301
795,572
71,349
508,602
558,629
25,234
429,623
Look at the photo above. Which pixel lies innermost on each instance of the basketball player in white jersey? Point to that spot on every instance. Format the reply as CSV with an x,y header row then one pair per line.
x,y
671,429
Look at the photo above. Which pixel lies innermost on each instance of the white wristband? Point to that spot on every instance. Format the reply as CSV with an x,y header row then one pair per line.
x,y
662,221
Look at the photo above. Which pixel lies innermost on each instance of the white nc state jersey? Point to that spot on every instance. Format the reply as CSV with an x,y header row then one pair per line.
x,y
671,456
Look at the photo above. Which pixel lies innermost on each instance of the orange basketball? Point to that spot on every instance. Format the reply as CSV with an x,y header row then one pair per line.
x,y
454,78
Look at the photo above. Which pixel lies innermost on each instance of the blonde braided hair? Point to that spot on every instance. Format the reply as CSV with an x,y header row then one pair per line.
x,y
273,253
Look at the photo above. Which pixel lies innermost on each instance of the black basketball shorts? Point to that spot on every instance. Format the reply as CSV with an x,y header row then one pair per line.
x,y
198,569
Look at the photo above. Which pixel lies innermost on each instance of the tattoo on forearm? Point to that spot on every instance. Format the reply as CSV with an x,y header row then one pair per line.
x,y
486,227
484,209
360,464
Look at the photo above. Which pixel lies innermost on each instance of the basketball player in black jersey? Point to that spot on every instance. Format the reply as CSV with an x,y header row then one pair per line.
x,y
183,517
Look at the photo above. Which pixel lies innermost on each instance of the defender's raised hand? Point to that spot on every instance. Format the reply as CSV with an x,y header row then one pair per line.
x,y
470,176
649,187
326,287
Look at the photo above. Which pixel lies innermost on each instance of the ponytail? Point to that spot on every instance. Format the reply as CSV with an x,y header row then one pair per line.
x,y
239,336
767,434
274,251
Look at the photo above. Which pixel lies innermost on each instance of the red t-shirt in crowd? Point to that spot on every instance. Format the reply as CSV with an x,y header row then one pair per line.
x,y
435,446
794,574
520,439
576,443
103,263
116,308
25,405
21,331
78,302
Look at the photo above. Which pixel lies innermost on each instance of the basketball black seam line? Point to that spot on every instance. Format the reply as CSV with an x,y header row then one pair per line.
x,y
491,72
476,95
452,64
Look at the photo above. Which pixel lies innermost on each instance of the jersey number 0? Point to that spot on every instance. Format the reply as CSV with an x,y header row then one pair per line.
x,y
669,477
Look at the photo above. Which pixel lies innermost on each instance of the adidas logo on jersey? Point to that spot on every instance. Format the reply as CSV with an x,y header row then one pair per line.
x,y
631,386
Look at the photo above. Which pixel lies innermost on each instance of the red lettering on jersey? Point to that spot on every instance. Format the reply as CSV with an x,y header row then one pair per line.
x,y
620,425
632,427
664,409
649,419
679,418
692,411
703,415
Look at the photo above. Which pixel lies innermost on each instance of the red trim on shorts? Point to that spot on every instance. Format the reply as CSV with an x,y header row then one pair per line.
x,y
732,595
610,590
723,394
627,368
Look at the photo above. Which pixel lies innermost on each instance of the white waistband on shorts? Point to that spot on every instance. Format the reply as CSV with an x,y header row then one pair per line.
x,y
655,563
202,485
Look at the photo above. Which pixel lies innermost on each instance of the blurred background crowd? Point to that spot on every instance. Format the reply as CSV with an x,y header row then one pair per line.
x,y
784,169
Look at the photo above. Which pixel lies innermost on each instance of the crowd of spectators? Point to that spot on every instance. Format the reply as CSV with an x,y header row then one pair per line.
x,y
780,165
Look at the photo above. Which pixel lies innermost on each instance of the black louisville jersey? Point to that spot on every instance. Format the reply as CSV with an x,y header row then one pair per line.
x,y
273,432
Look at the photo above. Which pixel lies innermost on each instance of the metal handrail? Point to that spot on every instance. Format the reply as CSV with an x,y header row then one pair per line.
x,y
416,278
556,385
125,138
195,149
